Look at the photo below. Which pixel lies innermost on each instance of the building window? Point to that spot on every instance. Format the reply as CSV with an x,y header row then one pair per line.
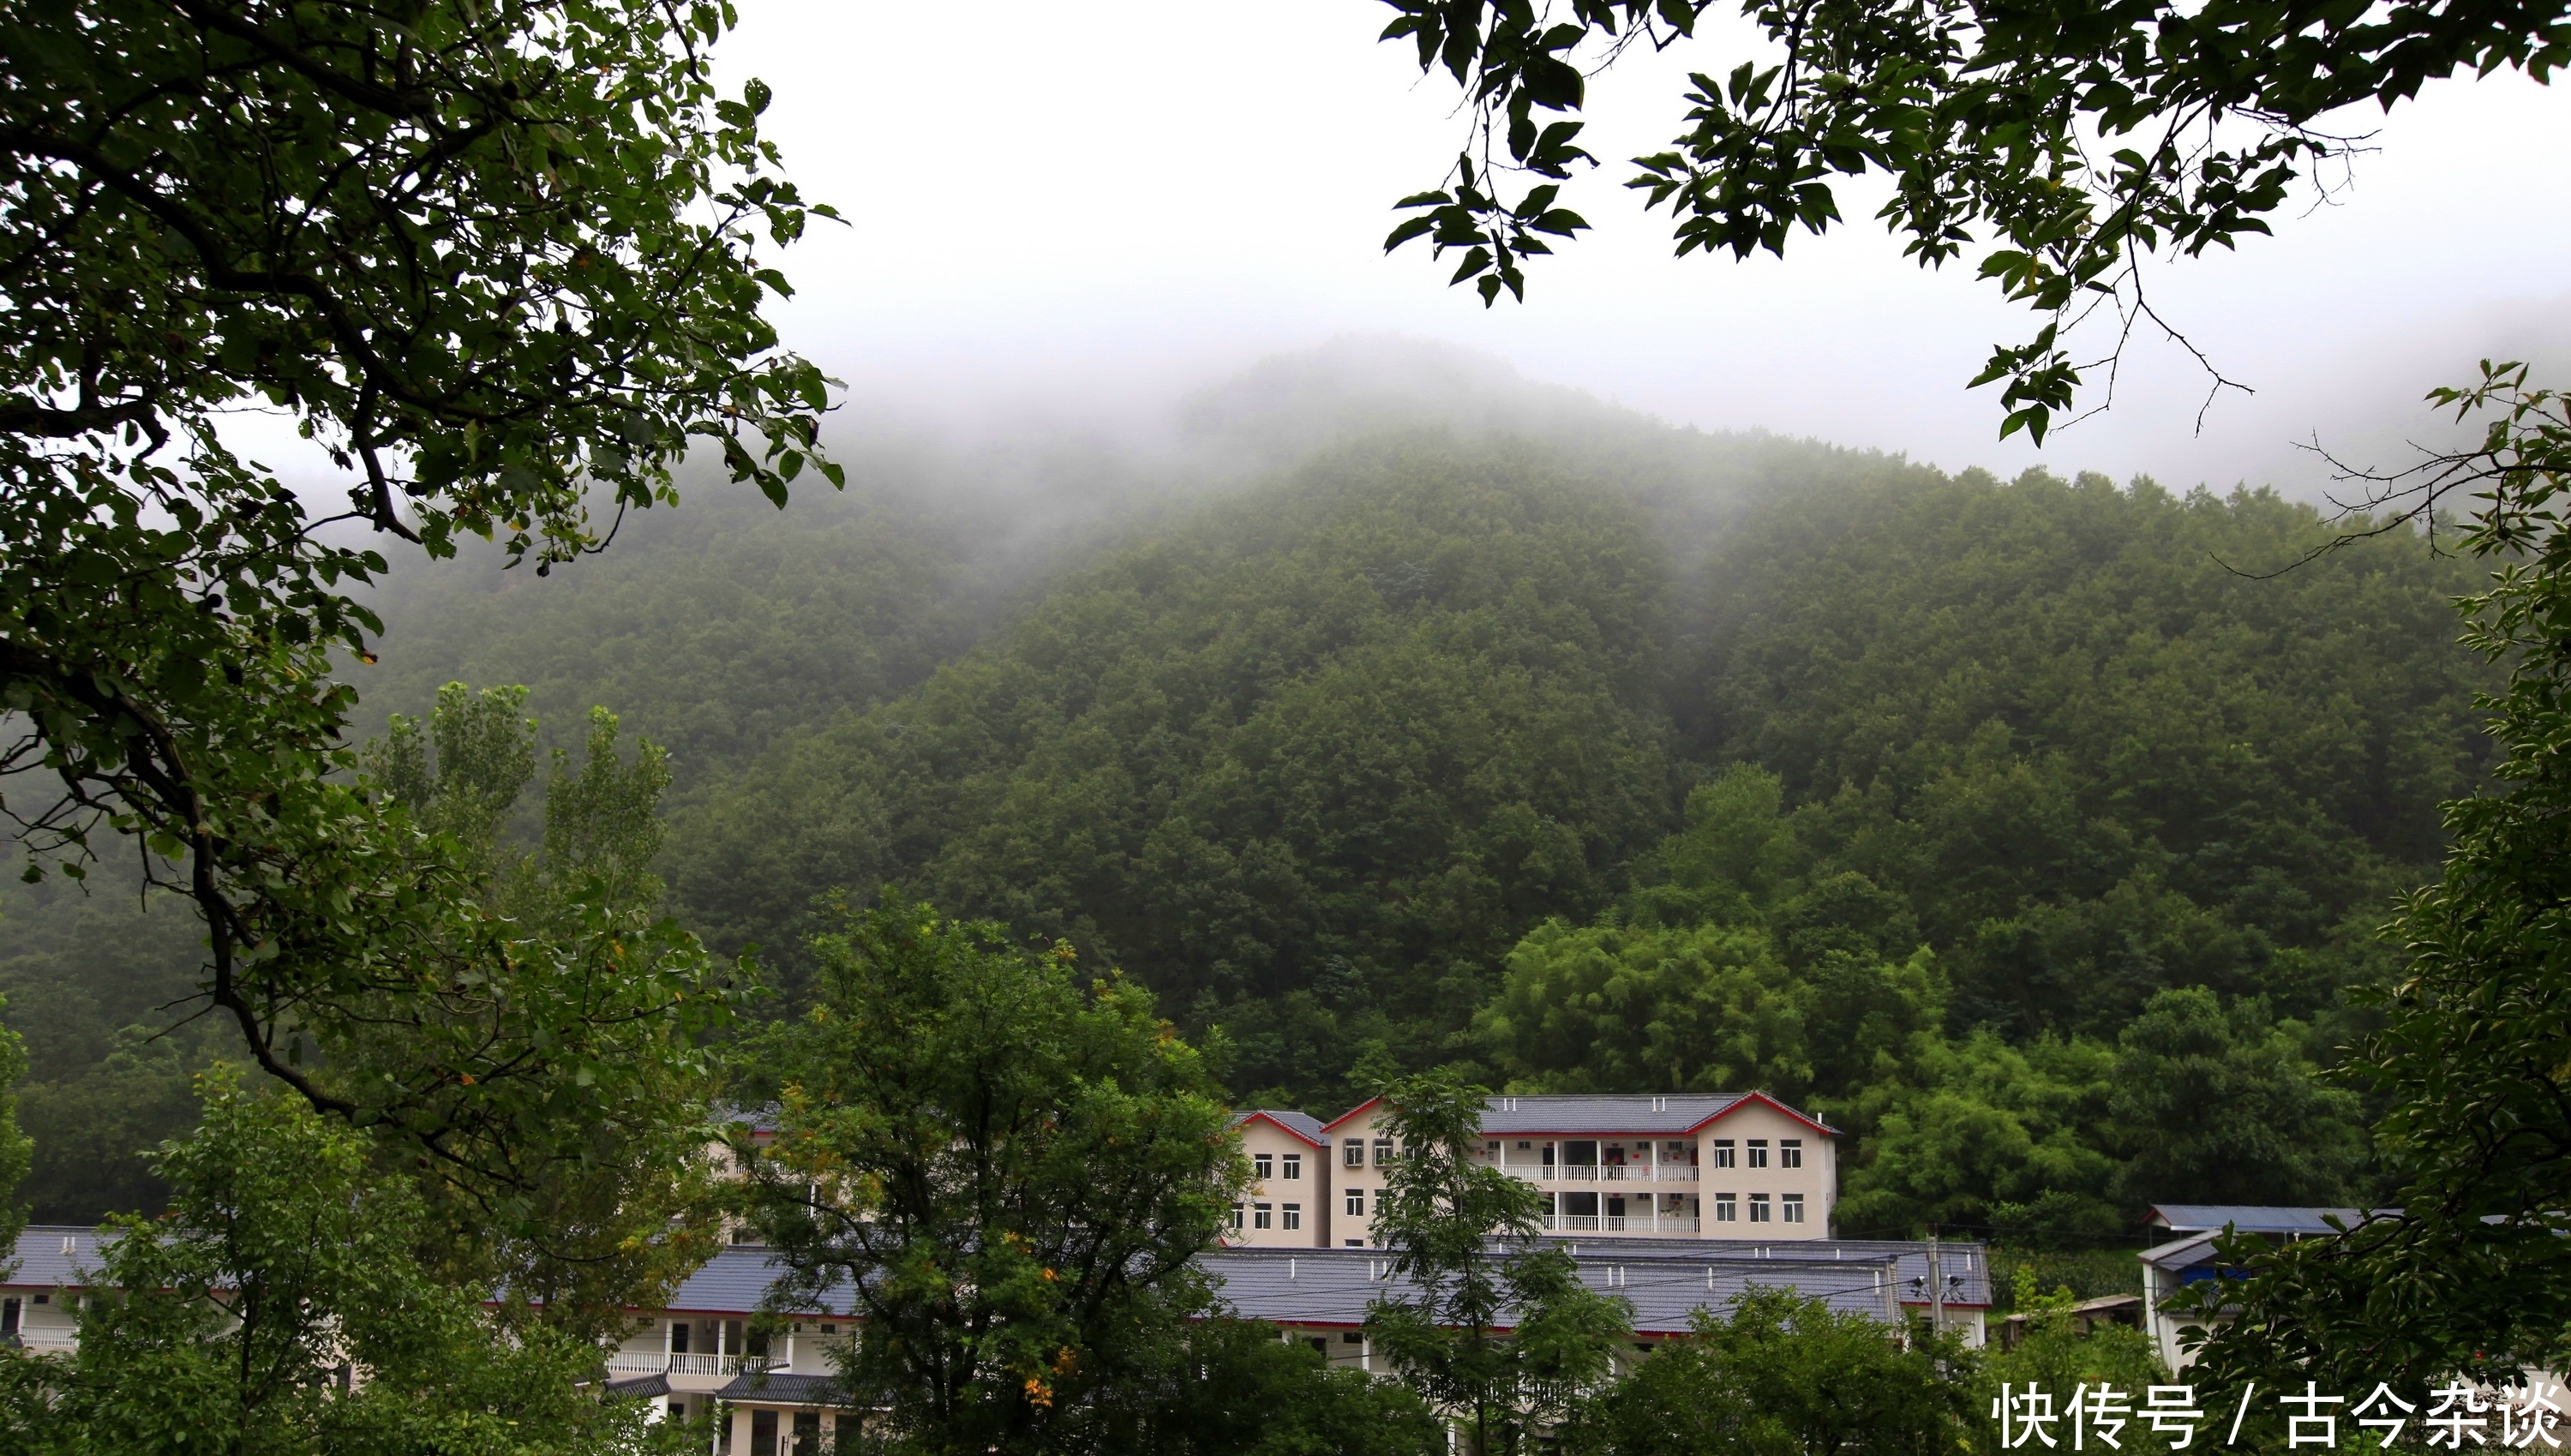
x,y
1261,1216
1294,1214
1352,1337
1722,1153
677,1409
1793,1208
1356,1202
1759,1153
762,1433
1355,1152
678,1336
1789,1152
1726,1209
807,1433
1236,1217
1263,1166
1293,1165
1382,1151
1758,1208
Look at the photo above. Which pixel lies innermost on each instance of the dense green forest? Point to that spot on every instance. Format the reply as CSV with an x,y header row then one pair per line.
x,y
2030,830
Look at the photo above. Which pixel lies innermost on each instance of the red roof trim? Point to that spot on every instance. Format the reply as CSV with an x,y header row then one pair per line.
x,y
1747,1098
1351,1112
1260,1117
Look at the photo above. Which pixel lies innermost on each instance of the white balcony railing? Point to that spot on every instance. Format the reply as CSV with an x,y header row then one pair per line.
x,y
1622,1223
655,1363
1596,1173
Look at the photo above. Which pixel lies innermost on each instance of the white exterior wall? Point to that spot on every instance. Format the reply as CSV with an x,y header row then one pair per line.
x,y
1667,1184
1362,1179
1757,1133
1295,1197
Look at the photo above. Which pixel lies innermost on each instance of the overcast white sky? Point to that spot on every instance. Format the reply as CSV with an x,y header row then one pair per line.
x,y
1098,203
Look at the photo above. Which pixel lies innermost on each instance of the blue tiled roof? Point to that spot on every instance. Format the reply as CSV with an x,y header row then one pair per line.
x,y
1587,1115
2254,1217
1333,1286
1966,1266
736,1280
1666,1279
53,1256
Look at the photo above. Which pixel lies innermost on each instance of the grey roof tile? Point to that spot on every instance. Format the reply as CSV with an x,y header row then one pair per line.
x,y
734,1280
1333,1286
2254,1217
775,1389
1302,1124
1587,1115
55,1256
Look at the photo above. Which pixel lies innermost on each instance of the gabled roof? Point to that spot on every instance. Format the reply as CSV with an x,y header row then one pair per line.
x,y
2254,1218
736,1280
1333,1123
1301,1124
1677,1114
1601,1114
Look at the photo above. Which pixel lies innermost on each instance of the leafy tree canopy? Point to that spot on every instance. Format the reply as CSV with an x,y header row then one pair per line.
x,y
1780,1374
496,261
287,1262
2472,1275
2063,145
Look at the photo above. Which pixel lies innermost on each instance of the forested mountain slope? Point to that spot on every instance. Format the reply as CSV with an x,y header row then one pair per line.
x,y
2025,829
1342,737
2090,745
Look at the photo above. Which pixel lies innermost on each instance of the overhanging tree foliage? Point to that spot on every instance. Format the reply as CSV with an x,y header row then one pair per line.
x,y
2061,142
2475,1271
496,261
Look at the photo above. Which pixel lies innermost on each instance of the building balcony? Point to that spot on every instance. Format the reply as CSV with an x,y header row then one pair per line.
x,y
1601,1172
655,1362
1621,1223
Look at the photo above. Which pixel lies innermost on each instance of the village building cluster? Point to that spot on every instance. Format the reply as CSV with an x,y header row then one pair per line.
x,y
1675,1204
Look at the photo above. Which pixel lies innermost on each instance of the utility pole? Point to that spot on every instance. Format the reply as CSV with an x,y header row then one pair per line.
x,y
1936,1289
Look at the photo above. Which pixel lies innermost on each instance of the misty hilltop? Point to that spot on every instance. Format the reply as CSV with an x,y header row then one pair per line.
x,y
1377,708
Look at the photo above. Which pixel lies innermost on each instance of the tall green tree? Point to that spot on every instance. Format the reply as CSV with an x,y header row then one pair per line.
x,y
572,1004
2064,147
1231,1387
288,1265
2473,1274
1008,1171
496,262
1780,1374
17,1150
1488,1324
2220,1106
